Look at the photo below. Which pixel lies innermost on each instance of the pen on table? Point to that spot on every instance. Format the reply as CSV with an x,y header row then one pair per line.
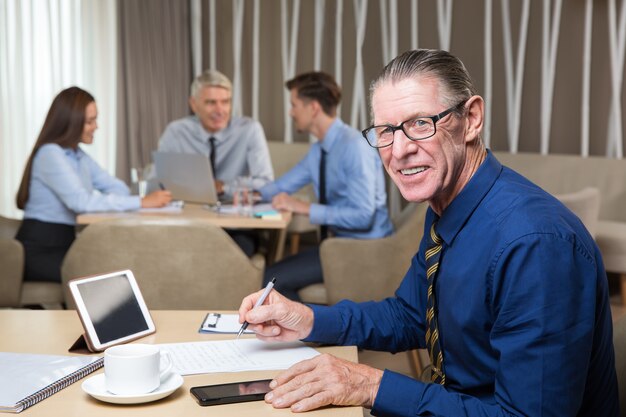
x,y
260,301
161,186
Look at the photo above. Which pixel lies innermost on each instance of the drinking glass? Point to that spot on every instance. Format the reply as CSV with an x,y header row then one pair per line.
x,y
139,179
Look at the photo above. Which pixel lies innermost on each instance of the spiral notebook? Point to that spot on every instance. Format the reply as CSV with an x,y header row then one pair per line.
x,y
26,379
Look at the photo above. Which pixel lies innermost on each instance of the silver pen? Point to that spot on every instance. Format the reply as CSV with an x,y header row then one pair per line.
x,y
260,301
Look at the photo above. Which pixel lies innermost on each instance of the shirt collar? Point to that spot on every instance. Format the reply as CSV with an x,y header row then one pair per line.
x,y
461,208
334,131
206,134
76,154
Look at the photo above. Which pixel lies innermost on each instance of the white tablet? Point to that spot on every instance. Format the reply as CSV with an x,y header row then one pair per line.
x,y
111,308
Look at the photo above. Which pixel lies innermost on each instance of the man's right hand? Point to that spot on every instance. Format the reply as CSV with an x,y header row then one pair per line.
x,y
219,187
278,319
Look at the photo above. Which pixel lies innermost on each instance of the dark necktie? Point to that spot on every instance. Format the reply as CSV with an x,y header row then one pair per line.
x,y
322,199
433,254
212,156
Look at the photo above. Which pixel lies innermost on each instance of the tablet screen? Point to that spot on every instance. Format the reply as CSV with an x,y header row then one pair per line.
x,y
118,313
111,308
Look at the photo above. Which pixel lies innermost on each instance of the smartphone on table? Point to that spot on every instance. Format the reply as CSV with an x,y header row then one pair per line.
x,y
237,392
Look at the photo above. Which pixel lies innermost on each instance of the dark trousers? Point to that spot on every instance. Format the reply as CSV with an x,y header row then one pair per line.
x,y
45,245
247,240
295,272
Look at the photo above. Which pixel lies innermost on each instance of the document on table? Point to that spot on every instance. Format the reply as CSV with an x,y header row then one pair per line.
x,y
235,355
257,208
175,206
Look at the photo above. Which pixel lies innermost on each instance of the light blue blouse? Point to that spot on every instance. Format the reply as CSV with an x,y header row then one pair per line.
x,y
66,182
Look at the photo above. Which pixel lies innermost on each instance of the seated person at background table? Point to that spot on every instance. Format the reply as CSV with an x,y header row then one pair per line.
x,y
236,146
60,181
352,197
507,292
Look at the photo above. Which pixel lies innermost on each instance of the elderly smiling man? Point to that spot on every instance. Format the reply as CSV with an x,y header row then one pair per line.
x,y
507,291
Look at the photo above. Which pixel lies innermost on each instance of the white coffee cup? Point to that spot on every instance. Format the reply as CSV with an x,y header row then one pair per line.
x,y
134,368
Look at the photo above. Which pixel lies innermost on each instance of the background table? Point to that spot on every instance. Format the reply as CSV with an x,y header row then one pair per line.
x,y
201,212
52,332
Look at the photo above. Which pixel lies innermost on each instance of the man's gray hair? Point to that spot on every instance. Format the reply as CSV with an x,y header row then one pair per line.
x,y
210,78
456,83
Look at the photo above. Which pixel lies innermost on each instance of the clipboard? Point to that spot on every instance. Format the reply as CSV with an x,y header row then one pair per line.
x,y
221,323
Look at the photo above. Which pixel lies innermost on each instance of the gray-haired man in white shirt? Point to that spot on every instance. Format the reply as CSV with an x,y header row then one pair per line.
x,y
236,146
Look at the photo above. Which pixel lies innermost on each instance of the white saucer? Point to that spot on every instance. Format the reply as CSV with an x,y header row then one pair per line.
x,y
95,386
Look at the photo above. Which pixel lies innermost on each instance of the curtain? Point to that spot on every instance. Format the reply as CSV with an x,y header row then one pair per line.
x,y
564,55
46,46
154,76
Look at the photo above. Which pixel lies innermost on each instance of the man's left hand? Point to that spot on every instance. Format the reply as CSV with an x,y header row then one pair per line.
x,y
322,381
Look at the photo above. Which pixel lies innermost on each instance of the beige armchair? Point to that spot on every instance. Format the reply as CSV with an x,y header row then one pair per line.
x,y
586,205
14,292
178,264
371,269
284,157
609,235
12,264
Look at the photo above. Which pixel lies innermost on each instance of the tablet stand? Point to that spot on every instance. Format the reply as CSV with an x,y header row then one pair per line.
x,y
80,346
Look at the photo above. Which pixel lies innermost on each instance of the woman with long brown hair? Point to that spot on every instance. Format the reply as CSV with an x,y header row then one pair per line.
x,y
60,181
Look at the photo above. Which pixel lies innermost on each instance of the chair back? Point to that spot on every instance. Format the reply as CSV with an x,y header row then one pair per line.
x,y
14,292
372,269
9,227
179,264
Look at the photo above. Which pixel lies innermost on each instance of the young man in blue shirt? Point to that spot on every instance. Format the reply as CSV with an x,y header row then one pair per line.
x,y
515,313
349,182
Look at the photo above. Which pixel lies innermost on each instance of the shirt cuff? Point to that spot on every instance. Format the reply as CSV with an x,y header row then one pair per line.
x,y
268,191
398,395
327,326
135,203
317,214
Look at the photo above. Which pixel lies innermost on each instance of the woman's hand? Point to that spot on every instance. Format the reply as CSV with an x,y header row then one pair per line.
x,y
156,199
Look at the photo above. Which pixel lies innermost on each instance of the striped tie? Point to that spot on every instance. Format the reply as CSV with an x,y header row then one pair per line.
x,y
432,334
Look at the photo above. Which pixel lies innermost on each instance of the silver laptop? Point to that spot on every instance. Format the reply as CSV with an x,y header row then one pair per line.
x,y
188,176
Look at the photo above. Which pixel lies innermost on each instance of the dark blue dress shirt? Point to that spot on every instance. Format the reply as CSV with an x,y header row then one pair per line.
x,y
524,318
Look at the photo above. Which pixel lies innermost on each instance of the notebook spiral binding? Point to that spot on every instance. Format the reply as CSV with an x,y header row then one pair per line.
x,y
59,385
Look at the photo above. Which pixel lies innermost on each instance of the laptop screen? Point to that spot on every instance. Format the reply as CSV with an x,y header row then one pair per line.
x,y
187,176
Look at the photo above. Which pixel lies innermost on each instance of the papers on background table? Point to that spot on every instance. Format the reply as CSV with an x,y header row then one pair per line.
x,y
175,206
263,211
235,355
221,323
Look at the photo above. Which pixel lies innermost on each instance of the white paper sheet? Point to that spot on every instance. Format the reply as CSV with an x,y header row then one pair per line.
x,y
175,206
235,355
257,208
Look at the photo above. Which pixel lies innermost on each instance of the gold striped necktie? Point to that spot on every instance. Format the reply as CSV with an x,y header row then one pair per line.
x,y
432,334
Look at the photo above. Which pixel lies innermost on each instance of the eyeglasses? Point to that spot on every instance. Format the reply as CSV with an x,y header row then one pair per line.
x,y
417,128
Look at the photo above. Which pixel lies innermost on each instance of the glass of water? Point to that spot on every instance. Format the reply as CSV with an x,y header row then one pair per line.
x,y
243,196
138,177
